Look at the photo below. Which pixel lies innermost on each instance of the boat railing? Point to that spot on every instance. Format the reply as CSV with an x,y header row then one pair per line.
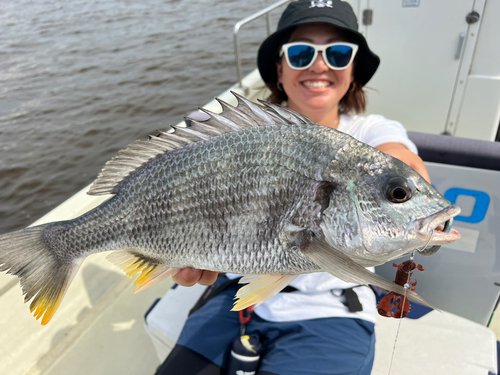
x,y
264,12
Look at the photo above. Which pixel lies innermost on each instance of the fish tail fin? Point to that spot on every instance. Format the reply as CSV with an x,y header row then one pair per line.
x,y
43,275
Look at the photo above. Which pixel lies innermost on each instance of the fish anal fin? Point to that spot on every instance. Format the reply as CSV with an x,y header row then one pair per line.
x,y
259,289
151,271
154,277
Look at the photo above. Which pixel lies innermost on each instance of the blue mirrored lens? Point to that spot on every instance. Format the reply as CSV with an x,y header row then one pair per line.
x,y
339,56
300,56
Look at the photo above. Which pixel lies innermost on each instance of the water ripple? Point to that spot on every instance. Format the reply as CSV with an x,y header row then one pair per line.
x,y
81,80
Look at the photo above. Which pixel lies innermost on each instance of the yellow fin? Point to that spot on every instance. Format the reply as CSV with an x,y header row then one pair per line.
x,y
259,289
45,273
153,278
151,271
49,297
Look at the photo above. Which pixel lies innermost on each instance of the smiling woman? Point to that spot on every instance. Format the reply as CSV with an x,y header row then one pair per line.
x,y
318,89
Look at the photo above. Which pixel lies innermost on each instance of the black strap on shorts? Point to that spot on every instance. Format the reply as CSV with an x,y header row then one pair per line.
x,y
351,299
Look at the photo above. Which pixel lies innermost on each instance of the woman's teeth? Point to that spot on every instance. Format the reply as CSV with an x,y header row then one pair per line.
x,y
316,84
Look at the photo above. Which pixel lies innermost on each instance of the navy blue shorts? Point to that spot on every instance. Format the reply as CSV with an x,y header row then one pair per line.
x,y
317,346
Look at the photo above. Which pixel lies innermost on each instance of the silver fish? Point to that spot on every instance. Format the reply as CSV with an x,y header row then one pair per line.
x,y
258,190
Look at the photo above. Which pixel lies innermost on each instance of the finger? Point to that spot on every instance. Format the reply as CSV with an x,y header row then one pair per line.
x,y
424,174
187,276
418,164
412,160
208,278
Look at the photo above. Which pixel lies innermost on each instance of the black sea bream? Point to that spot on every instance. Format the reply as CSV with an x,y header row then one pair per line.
x,y
258,190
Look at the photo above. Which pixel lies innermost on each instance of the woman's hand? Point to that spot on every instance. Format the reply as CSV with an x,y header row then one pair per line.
x,y
400,152
189,276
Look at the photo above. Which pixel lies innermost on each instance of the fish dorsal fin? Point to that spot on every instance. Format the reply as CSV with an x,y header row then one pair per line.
x,y
291,116
245,115
151,272
259,289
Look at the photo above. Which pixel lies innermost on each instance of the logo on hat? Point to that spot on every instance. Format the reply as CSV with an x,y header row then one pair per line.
x,y
321,3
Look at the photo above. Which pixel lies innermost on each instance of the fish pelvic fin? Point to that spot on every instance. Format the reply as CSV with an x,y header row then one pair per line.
x,y
340,265
151,272
43,276
259,289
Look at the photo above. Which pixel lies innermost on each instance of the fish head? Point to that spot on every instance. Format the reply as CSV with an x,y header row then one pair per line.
x,y
384,212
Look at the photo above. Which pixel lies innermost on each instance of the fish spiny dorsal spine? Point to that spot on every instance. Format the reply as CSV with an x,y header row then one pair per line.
x,y
245,115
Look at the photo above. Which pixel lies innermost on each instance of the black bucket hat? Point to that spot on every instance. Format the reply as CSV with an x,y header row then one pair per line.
x,y
302,12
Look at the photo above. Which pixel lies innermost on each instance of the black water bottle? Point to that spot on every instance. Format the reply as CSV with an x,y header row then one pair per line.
x,y
244,356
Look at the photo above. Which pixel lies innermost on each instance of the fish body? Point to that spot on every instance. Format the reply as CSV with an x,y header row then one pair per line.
x,y
256,190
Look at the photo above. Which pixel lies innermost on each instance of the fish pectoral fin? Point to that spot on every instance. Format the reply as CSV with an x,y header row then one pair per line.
x,y
259,289
151,271
340,265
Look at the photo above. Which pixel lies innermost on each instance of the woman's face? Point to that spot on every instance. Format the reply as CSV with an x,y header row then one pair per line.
x,y
318,88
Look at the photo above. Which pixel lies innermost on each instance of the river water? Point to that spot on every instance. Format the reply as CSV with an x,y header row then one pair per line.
x,y
80,80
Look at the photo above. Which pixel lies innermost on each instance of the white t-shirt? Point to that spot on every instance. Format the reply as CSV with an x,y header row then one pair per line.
x,y
318,293
375,130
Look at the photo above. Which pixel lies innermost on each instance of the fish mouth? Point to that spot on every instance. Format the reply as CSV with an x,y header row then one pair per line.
x,y
435,229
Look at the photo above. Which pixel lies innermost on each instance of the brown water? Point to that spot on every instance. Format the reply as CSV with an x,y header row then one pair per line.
x,y
80,80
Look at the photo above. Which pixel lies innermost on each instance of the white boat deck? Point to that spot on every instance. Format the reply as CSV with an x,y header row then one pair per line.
x,y
99,328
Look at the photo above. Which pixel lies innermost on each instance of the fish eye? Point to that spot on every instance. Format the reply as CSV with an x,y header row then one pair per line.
x,y
398,190
399,194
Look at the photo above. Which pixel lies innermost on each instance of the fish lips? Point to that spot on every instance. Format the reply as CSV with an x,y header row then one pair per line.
x,y
433,225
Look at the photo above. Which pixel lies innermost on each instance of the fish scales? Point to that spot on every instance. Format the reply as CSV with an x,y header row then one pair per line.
x,y
257,190
241,197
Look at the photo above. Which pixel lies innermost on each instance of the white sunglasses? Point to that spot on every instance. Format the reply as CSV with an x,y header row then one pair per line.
x,y
301,55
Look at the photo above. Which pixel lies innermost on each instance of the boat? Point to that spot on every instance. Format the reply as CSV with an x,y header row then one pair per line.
x,y
101,328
